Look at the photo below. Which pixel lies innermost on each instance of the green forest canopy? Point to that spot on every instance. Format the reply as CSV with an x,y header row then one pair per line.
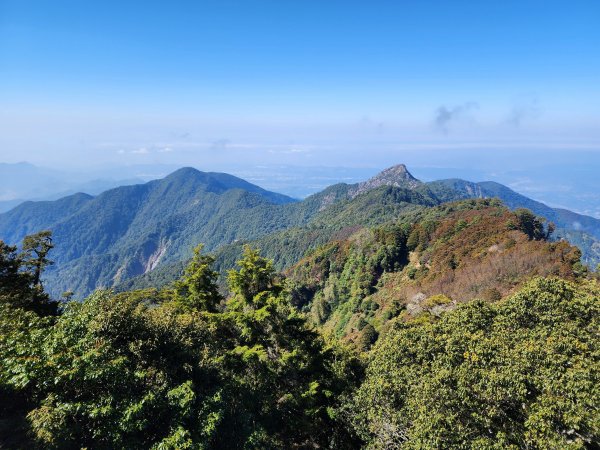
x,y
185,367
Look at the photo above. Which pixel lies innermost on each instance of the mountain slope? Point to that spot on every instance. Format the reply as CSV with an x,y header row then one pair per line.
x,y
338,211
576,228
130,230
450,254
30,217
455,189
133,230
334,221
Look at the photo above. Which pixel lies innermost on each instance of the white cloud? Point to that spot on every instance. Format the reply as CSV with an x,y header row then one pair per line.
x,y
291,151
141,151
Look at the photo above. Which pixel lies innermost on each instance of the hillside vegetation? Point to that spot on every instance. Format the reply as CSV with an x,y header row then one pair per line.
x,y
442,256
519,373
186,367
381,315
133,231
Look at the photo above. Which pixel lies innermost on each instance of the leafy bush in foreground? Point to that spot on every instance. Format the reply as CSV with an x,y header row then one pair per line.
x,y
521,373
150,369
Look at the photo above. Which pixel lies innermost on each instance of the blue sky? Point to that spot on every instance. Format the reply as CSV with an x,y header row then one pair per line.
x,y
294,82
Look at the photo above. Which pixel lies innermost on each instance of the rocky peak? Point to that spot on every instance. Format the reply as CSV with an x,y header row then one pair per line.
x,y
397,176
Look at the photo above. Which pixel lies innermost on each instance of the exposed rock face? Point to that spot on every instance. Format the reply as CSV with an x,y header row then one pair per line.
x,y
328,200
155,257
149,256
414,307
474,190
397,176
437,310
418,303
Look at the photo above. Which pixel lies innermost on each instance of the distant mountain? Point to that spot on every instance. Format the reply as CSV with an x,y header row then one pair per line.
x,y
130,231
349,201
22,182
397,176
7,205
23,176
582,230
454,189
30,217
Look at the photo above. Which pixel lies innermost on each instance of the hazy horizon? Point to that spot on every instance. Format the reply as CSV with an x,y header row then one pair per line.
x,y
268,90
294,83
541,177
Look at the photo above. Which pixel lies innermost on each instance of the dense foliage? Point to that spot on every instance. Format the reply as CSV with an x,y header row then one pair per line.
x,y
20,274
578,229
174,369
522,373
462,325
461,251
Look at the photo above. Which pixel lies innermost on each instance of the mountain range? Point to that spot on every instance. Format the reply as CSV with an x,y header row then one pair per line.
x,y
146,229
22,181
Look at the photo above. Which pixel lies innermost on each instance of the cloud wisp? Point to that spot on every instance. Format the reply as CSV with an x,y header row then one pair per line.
x,y
220,144
445,116
527,109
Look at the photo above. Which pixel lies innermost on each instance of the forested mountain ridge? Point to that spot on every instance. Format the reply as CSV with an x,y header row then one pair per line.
x,y
579,229
132,230
334,221
425,263
129,230
405,324
187,367
383,203
177,188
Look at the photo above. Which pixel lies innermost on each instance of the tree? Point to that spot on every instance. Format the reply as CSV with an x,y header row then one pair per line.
x,y
285,386
198,289
255,279
35,251
20,274
534,227
15,284
367,337
125,374
135,370
22,333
